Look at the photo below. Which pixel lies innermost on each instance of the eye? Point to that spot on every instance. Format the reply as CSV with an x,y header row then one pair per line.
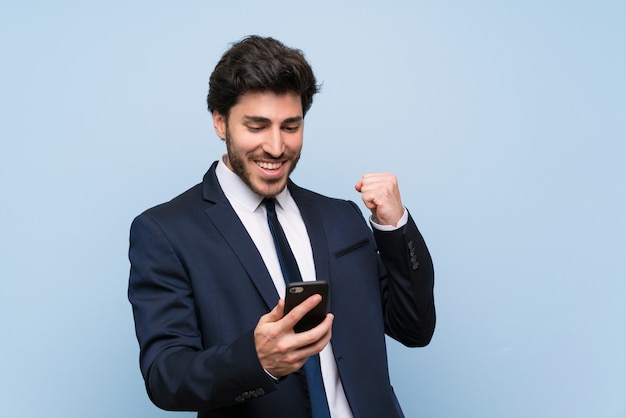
x,y
252,128
291,128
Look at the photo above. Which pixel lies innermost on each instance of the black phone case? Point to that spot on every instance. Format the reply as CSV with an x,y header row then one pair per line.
x,y
297,292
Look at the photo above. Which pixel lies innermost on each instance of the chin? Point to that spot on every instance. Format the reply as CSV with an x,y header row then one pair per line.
x,y
271,191
265,188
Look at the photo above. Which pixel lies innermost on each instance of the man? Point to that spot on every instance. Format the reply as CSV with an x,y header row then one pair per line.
x,y
206,282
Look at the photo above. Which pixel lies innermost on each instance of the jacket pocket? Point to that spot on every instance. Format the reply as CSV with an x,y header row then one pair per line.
x,y
351,248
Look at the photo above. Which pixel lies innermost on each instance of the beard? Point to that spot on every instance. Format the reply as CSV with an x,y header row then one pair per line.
x,y
239,161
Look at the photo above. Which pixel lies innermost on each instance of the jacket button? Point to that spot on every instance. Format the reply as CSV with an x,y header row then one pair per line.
x,y
415,265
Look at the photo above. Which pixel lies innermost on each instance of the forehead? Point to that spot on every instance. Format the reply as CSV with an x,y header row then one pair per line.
x,y
268,105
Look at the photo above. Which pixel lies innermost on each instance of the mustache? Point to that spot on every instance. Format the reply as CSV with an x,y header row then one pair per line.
x,y
287,155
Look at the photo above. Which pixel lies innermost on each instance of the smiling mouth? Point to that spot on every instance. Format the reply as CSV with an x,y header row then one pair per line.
x,y
269,166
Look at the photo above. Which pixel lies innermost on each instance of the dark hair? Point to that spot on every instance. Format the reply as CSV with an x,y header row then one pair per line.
x,y
257,64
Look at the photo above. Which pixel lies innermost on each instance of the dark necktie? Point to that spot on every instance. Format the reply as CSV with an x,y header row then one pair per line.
x,y
291,273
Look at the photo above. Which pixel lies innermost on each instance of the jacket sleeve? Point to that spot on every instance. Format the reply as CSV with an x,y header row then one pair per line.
x,y
179,372
407,285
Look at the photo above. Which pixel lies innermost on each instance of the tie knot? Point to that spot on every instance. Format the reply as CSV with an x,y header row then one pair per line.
x,y
270,204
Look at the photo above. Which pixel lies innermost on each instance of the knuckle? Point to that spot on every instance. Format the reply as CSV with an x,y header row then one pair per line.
x,y
271,333
311,338
282,348
291,359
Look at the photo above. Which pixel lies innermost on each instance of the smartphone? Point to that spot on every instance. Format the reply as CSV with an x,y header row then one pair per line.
x,y
297,292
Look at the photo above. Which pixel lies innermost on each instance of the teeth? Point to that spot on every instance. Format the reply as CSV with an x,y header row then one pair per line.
x,y
269,166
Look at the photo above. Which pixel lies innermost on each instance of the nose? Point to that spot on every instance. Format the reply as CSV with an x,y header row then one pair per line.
x,y
274,145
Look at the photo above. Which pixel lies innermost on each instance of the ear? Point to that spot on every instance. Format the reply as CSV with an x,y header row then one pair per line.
x,y
219,123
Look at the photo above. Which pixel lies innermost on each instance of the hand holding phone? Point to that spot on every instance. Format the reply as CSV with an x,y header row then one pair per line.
x,y
298,292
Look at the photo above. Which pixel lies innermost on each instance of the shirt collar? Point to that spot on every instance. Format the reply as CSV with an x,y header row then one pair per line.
x,y
236,189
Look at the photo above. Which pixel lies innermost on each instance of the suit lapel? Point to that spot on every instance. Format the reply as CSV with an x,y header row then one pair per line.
x,y
223,217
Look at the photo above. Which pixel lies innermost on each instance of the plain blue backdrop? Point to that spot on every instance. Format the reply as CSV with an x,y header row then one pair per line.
x,y
504,121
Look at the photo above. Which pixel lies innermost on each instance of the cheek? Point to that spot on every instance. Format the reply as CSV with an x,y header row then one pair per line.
x,y
243,142
295,142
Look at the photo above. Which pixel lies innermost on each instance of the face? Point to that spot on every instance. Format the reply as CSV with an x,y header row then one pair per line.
x,y
263,136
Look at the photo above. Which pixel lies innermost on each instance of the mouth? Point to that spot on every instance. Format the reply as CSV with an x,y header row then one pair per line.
x,y
269,166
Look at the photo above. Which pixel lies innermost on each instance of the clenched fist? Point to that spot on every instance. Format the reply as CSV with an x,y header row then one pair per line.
x,y
381,195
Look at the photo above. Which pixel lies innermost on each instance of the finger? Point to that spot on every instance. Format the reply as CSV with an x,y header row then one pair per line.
x,y
378,180
369,202
380,187
275,314
370,180
370,197
314,340
371,185
298,312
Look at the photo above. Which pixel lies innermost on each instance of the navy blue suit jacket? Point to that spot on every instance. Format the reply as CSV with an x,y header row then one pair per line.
x,y
198,287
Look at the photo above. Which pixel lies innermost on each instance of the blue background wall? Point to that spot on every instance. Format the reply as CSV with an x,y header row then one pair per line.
x,y
505,122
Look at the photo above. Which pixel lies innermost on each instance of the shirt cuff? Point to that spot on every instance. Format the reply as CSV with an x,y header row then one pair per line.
x,y
271,375
403,221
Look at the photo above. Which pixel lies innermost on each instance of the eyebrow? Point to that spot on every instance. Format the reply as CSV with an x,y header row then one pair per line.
x,y
261,119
